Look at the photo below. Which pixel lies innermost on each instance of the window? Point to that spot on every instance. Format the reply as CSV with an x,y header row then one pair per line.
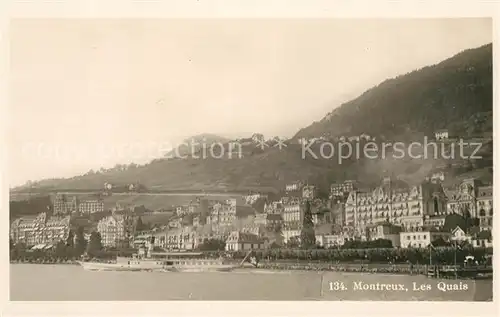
x,y
424,236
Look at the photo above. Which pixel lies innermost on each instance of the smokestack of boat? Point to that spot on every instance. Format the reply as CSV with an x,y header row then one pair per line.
x,y
149,246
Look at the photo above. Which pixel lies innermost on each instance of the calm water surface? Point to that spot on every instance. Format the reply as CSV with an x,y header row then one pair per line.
x,y
38,282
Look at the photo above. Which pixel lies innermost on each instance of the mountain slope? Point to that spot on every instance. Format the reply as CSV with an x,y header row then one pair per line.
x,y
453,94
195,143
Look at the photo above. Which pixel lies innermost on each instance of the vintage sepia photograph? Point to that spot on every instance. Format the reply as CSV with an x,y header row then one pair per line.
x,y
304,159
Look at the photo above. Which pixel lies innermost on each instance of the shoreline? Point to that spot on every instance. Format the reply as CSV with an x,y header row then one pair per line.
x,y
384,269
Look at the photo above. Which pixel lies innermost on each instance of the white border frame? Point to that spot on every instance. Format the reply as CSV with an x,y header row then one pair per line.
x,y
235,9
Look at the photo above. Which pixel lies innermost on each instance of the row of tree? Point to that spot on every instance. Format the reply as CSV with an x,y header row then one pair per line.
x,y
444,255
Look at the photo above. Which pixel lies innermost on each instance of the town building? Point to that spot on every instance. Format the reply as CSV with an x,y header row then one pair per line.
x,y
309,192
484,207
87,207
422,238
442,134
394,202
294,187
227,214
436,221
40,229
64,205
340,190
269,221
256,229
385,231
331,240
242,241
437,177
276,207
253,197
222,214
175,222
116,230
291,233
472,199
459,235
181,238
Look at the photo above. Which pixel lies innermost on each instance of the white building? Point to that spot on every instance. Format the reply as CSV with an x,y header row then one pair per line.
x,y
290,233
459,235
422,239
330,240
441,134
385,231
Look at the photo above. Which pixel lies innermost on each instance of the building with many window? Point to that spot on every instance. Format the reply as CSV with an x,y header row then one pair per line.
x,y
87,207
331,240
421,238
183,238
342,189
64,205
269,221
40,229
276,207
394,202
116,230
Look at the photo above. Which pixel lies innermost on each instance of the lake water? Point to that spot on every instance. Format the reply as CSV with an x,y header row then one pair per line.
x,y
39,282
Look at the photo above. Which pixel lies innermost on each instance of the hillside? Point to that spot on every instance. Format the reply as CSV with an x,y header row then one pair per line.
x,y
454,94
195,144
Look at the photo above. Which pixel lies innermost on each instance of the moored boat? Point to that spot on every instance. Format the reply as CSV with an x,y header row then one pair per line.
x,y
146,260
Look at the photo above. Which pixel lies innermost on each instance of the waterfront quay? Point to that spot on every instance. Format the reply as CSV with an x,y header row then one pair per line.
x,y
395,224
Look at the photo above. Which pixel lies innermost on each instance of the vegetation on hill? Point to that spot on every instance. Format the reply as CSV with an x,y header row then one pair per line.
x,y
456,94
195,143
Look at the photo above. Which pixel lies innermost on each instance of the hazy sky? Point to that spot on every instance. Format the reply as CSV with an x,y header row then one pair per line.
x,y
84,86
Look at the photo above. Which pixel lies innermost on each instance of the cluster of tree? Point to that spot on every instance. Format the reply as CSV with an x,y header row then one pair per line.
x,y
116,168
441,255
212,245
31,206
307,234
373,244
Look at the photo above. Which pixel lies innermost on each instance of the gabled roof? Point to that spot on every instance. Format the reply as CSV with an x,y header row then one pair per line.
x,y
457,228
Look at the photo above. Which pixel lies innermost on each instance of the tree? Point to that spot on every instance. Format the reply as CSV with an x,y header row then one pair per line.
x,y
61,249
307,235
139,225
440,242
95,244
11,244
293,242
80,242
71,239
212,245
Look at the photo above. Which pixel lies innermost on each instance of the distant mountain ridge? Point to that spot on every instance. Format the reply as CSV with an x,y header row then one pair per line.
x,y
195,143
455,94
447,95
